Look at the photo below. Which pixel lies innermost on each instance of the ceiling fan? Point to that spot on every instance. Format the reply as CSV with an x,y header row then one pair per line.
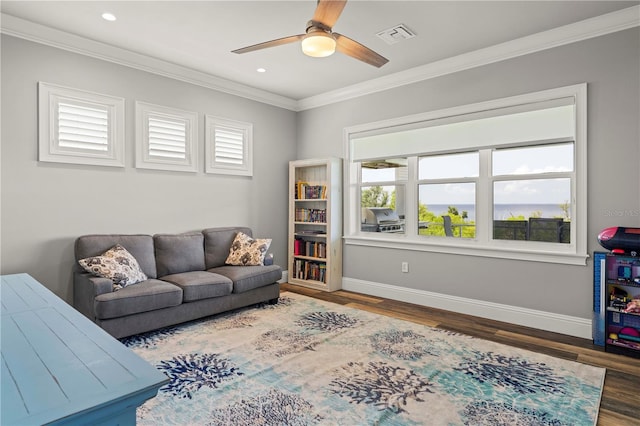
x,y
320,41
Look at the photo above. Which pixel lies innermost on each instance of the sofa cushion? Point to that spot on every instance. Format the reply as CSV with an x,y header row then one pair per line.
x,y
247,278
217,243
147,296
140,247
116,264
176,253
247,251
198,285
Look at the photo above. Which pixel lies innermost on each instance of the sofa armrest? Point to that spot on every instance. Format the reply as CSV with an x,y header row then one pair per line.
x,y
268,259
86,288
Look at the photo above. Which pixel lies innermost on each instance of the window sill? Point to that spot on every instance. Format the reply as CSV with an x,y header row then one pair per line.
x,y
469,248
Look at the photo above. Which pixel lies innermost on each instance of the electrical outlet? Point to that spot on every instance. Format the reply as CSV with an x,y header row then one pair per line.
x,y
405,266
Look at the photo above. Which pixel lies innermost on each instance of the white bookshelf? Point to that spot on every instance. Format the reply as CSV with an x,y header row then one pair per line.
x,y
315,223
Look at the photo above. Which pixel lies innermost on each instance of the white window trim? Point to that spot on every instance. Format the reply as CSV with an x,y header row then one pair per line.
x,y
211,166
144,159
574,253
49,149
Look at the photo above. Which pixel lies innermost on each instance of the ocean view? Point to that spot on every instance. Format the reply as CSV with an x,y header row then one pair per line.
x,y
503,211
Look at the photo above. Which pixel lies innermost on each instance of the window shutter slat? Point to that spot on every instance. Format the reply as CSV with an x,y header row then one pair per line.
x,y
167,138
82,127
229,146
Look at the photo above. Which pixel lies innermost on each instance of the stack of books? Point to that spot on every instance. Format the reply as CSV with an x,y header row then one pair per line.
x,y
306,270
311,215
309,248
305,191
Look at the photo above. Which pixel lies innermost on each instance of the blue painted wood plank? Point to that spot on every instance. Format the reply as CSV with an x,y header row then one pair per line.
x,y
11,300
103,365
23,290
9,393
37,387
91,332
72,374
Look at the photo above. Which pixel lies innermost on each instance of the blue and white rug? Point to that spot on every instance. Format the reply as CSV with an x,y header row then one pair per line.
x,y
309,362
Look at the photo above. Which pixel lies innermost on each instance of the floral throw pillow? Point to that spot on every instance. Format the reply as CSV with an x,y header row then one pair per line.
x,y
117,264
247,251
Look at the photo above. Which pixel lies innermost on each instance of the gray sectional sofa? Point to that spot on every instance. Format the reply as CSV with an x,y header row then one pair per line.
x,y
187,279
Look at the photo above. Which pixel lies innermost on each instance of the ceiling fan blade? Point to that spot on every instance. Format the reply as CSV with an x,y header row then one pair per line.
x,y
272,43
356,50
328,11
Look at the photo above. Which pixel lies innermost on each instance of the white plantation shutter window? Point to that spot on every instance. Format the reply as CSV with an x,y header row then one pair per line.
x,y
229,146
79,127
166,138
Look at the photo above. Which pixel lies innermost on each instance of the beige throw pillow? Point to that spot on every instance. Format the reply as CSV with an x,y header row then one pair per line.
x,y
117,264
247,251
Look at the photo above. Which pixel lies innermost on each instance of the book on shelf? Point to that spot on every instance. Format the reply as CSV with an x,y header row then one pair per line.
x,y
303,247
309,270
311,215
300,185
305,191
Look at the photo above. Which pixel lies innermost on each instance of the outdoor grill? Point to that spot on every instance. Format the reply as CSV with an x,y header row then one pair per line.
x,y
381,219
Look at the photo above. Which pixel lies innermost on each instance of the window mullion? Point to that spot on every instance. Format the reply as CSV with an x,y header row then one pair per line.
x,y
411,198
484,199
533,176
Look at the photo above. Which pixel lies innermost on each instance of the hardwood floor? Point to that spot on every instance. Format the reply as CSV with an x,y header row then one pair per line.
x,y
620,404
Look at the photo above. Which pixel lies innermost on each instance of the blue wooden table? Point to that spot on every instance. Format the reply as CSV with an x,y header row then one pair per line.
x,y
60,368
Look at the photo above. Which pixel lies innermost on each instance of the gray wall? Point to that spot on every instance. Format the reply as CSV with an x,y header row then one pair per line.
x,y
611,67
45,206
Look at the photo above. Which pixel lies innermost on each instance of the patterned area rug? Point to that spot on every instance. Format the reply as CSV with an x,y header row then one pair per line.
x,y
309,362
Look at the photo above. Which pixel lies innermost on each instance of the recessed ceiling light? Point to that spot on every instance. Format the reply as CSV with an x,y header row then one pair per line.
x,y
261,70
108,16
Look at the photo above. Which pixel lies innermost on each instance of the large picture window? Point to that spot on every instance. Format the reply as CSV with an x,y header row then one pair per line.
x,y
504,178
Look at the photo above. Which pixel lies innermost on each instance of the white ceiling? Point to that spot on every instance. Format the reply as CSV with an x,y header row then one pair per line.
x,y
200,35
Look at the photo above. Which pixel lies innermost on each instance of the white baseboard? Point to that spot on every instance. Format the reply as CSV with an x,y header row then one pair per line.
x,y
564,324
285,277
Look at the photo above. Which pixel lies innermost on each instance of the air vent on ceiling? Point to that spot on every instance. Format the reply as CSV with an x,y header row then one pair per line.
x,y
397,33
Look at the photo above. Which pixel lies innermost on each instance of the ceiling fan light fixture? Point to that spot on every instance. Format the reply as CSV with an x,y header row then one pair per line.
x,y
318,44
319,39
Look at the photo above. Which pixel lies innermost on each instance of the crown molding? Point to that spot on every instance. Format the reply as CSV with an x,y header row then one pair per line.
x,y
31,31
583,30
567,34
